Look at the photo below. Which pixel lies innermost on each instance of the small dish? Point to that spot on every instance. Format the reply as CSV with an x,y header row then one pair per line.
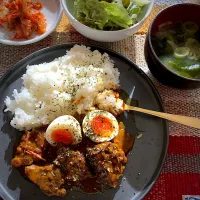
x,y
101,35
52,10
189,12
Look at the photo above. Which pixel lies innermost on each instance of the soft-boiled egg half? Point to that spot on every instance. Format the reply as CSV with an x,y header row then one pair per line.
x,y
100,126
64,130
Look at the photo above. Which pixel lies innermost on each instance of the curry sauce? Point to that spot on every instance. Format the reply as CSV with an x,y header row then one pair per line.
x,y
87,167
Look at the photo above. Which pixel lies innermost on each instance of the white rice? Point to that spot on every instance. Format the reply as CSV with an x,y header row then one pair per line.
x,y
65,86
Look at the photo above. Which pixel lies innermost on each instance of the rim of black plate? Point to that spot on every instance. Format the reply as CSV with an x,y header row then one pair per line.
x,y
157,172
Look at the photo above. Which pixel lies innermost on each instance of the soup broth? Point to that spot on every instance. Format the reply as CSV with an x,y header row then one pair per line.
x,y
178,47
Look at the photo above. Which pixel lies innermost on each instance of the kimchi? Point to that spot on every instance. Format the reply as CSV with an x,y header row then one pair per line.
x,y
23,17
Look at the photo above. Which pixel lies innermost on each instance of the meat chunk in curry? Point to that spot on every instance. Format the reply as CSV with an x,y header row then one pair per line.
x,y
88,167
108,161
73,164
31,149
48,178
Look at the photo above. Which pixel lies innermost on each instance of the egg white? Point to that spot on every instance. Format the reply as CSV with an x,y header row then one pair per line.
x,y
87,128
66,122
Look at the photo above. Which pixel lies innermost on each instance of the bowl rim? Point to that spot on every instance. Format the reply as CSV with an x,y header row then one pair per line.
x,y
40,37
151,46
72,18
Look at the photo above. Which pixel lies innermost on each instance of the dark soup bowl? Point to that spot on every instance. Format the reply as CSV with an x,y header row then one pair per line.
x,y
172,46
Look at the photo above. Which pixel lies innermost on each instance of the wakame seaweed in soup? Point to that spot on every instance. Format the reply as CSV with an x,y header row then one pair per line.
x,y
177,44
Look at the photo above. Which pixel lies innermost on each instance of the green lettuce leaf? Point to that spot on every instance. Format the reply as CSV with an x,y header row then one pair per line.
x,y
126,3
120,2
133,11
141,2
91,13
135,7
117,14
112,14
137,2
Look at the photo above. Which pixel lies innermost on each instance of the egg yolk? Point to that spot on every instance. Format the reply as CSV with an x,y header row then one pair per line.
x,y
102,126
62,136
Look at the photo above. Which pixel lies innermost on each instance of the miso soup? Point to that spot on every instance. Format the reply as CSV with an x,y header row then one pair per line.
x,y
177,44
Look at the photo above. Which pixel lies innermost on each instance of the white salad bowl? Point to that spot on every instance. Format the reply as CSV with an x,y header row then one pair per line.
x,y
52,10
101,35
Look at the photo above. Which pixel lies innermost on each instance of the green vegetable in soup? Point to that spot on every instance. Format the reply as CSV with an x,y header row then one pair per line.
x,y
178,47
185,67
180,67
191,42
165,26
181,52
172,45
190,27
194,47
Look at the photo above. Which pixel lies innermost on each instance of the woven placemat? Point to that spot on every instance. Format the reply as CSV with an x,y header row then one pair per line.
x,y
181,173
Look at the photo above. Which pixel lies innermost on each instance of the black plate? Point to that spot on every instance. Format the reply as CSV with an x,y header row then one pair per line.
x,y
145,160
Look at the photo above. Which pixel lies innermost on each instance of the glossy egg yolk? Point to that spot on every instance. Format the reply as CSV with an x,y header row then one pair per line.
x,y
62,136
102,126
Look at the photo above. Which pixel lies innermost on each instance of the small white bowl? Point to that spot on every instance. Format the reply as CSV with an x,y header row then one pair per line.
x,y
52,10
104,36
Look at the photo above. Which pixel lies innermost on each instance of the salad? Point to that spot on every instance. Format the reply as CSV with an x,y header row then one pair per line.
x,y
109,14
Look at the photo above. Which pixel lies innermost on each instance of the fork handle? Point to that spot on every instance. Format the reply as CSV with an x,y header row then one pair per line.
x,y
188,121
